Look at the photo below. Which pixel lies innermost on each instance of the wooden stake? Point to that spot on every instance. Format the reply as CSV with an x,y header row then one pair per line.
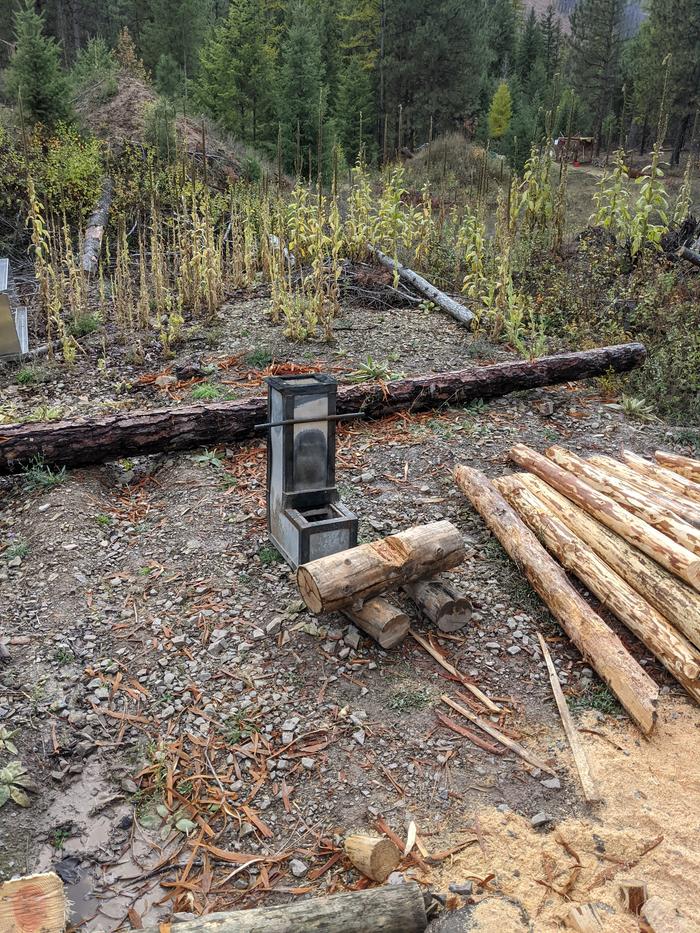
x,y
664,520
340,580
662,549
386,624
675,600
375,856
451,669
671,648
683,466
495,734
591,792
597,643
35,904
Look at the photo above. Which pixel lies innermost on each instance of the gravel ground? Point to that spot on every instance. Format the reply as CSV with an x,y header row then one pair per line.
x,y
160,651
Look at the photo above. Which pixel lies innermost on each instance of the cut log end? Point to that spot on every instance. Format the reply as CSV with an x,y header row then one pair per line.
x,y
375,857
382,621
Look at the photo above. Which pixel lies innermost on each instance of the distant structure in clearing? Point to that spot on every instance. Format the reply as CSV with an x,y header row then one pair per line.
x,y
577,149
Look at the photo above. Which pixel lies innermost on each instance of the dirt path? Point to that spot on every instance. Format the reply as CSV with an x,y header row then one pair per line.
x,y
161,657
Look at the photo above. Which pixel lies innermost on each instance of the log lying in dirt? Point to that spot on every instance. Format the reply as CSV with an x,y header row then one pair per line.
x,y
94,231
424,288
600,646
391,908
673,650
690,254
656,492
441,602
159,430
375,856
680,485
340,580
680,561
684,466
630,498
386,624
675,600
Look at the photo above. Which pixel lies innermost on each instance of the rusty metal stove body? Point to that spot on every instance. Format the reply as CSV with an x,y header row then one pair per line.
x,y
306,518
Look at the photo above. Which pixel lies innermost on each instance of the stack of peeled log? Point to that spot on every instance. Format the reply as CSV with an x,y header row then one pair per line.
x,y
629,530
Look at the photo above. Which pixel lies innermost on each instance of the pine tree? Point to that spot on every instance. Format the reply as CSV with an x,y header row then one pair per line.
x,y
595,44
35,77
176,28
500,111
355,98
503,22
550,31
529,46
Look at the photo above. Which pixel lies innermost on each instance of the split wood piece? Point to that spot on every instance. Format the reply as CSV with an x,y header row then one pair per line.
x,y
668,553
671,648
391,908
340,580
451,669
591,793
662,917
441,602
34,904
94,231
469,734
681,485
634,895
630,498
151,431
598,644
686,510
684,466
454,308
386,624
584,918
675,600
374,856
498,736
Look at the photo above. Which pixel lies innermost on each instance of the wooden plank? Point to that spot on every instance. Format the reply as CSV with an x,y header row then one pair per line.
x,y
591,791
34,904
662,917
584,918
451,669
491,730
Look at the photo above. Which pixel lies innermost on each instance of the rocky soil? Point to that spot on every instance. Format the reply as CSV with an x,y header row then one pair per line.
x,y
196,740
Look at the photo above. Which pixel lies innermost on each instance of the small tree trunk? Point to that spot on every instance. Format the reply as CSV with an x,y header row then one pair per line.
x,y
680,485
685,466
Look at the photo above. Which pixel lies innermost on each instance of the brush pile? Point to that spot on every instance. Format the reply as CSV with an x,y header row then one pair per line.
x,y
629,530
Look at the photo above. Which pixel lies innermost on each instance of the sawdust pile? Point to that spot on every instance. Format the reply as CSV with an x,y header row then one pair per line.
x,y
652,802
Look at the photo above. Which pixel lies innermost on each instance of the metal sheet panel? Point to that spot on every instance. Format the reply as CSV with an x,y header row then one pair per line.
x,y
4,274
9,344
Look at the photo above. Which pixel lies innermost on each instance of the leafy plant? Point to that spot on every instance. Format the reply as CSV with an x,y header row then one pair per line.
x,y
404,700
209,458
17,549
259,358
177,821
84,324
6,740
41,476
269,556
14,784
205,392
373,369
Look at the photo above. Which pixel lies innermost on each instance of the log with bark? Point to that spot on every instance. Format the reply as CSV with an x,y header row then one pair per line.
x,y
600,646
674,651
661,548
159,430
690,254
680,485
94,231
441,602
349,578
391,908
386,624
685,509
675,600
454,308
684,466
630,498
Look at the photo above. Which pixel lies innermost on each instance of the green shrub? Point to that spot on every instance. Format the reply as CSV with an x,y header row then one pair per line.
x,y
160,128
95,72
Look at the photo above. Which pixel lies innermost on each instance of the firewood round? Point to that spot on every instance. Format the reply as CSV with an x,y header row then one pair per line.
x,y
375,857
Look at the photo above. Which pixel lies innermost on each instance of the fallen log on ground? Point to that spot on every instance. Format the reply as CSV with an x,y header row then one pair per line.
x,y
681,485
684,466
454,308
673,598
386,624
665,521
662,549
674,651
598,644
441,602
691,255
685,509
391,908
338,581
94,231
159,430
